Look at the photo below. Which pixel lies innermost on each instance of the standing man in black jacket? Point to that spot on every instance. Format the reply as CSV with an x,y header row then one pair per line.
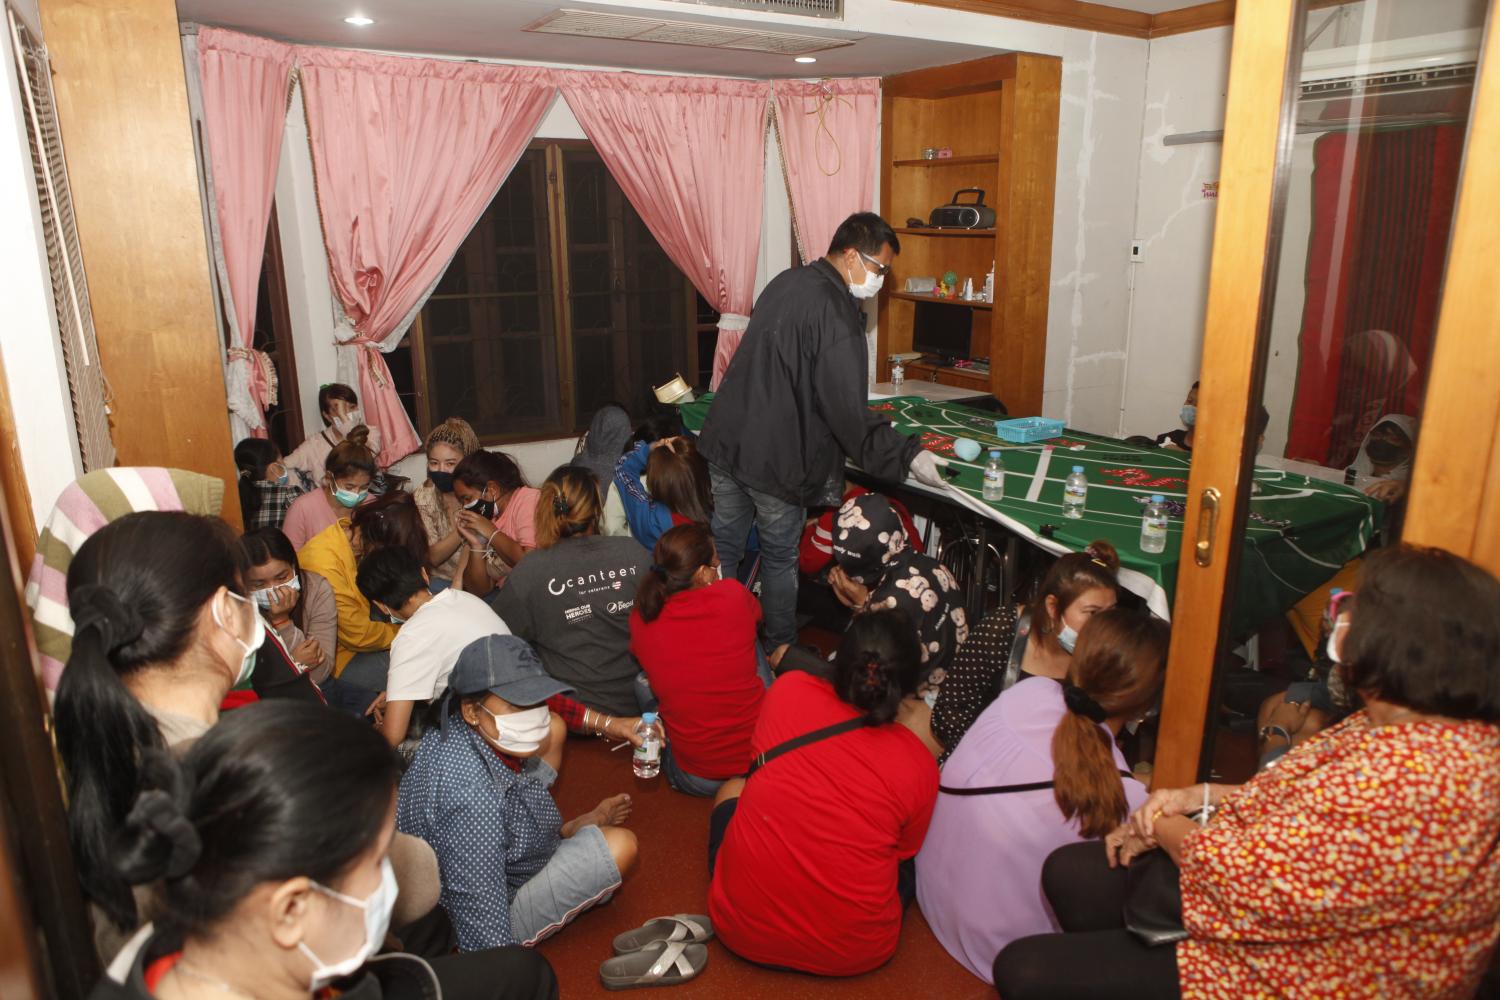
x,y
792,407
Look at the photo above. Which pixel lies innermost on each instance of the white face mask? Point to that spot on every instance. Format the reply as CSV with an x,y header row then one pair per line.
x,y
521,732
257,636
1067,638
263,597
869,287
1332,648
377,910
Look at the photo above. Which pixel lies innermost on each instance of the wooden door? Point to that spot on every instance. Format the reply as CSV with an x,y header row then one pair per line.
x,y
1430,376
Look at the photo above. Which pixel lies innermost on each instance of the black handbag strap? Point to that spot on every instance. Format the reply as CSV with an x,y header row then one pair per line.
x,y
838,728
1035,786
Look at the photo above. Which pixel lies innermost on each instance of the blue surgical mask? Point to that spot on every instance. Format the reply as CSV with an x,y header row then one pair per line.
x,y
350,498
1067,638
1188,415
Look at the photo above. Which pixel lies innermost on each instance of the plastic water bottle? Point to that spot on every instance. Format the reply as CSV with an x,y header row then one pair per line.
x,y
647,759
1154,525
1075,493
994,477
898,373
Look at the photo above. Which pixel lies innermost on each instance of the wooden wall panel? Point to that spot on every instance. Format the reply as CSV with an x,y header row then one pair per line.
x,y
122,104
1455,484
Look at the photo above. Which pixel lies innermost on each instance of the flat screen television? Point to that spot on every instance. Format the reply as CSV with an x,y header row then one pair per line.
x,y
943,329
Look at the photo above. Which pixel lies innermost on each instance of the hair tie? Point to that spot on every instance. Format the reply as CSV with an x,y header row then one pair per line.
x,y
1079,703
156,811
97,606
560,505
872,668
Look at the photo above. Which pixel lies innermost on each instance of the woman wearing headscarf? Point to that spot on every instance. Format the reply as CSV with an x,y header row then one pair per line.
x,y
875,567
1383,464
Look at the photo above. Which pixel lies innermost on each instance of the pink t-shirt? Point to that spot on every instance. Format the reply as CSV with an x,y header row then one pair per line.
x,y
308,515
518,519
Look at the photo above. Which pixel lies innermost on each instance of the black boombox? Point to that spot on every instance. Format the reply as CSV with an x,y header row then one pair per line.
x,y
963,215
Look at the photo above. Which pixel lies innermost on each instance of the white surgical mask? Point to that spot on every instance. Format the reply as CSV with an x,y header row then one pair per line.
x,y
377,909
1188,415
257,636
521,732
263,597
869,287
1332,648
1067,638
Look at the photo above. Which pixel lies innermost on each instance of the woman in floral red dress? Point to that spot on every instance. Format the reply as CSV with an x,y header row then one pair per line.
x,y
1364,863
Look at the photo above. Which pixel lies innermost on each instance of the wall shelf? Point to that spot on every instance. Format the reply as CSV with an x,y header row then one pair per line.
x,y
952,161
914,297
985,234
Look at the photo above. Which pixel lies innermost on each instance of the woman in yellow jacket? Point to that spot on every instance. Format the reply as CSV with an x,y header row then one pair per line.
x,y
363,657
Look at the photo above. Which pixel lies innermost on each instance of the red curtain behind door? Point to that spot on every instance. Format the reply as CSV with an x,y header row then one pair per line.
x,y
1382,209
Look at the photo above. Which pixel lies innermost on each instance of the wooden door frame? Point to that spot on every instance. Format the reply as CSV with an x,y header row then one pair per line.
x,y
1455,483
1247,234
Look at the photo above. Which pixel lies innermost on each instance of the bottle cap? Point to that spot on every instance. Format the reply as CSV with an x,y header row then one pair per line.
x,y
648,717
1158,498
994,453
1077,468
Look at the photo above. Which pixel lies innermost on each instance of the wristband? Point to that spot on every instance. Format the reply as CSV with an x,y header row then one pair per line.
x,y
1274,730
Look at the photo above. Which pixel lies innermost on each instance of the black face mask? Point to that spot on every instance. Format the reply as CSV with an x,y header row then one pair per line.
x,y
442,480
1384,452
482,507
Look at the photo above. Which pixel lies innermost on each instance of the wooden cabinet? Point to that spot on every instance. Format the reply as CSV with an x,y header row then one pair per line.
x,y
999,116
917,371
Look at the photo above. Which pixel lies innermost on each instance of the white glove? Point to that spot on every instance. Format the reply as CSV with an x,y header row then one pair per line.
x,y
927,468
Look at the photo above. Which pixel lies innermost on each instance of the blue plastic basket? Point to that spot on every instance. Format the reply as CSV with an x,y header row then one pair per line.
x,y
1024,430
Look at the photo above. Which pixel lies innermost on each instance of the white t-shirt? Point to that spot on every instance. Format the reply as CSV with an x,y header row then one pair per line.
x,y
428,645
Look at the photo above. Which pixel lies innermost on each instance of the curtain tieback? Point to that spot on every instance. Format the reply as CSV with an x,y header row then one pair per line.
x,y
733,321
257,360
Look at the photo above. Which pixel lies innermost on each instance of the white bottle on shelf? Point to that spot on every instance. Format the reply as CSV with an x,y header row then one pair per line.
x,y
989,284
898,373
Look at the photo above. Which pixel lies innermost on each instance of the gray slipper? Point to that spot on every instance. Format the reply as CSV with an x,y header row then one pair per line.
x,y
690,927
660,963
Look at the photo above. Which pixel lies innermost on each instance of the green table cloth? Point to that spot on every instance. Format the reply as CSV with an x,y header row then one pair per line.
x,y
1300,532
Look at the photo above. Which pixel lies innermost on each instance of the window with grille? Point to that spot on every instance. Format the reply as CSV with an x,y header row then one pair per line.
x,y
70,295
559,301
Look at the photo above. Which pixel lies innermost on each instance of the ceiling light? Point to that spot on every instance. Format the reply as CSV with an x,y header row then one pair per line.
x,y
359,20
805,59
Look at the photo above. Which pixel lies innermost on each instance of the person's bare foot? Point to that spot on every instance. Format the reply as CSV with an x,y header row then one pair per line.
x,y
613,811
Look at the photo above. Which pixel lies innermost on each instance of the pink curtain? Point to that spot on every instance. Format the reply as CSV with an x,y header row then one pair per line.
x,y
828,133
406,154
246,81
689,153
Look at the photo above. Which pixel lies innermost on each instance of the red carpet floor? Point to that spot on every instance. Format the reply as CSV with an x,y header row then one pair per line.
x,y
672,877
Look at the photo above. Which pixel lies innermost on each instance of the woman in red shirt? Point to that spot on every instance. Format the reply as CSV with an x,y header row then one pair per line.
x,y
1361,864
694,636
805,853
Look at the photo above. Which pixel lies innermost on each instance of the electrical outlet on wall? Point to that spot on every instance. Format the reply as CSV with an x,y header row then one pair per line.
x,y
1137,251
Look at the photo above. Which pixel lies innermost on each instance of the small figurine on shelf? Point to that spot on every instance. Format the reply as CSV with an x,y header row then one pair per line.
x,y
946,287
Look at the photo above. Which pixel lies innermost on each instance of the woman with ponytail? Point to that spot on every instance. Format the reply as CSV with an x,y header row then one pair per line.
x,y
572,596
810,856
269,846
1038,770
348,471
694,636
267,489
1012,643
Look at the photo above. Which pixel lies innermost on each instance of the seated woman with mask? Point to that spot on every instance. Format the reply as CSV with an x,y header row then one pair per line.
x,y
266,488
448,444
270,846
497,518
1010,644
478,792
297,604
347,473
339,406
677,489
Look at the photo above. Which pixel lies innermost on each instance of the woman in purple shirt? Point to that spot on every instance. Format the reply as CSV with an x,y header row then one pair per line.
x,y
1039,769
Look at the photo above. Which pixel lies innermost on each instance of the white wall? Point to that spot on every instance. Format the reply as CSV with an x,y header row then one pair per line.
x,y
1186,81
45,431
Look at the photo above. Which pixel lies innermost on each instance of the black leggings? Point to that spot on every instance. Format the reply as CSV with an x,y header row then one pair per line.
x,y
1095,956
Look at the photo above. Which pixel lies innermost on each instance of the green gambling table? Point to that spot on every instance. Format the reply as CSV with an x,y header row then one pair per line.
x,y
1300,532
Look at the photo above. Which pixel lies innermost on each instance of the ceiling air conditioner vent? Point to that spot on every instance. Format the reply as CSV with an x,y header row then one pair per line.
x,y
596,24
833,9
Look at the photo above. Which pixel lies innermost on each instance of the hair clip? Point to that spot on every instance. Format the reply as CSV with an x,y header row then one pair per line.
x,y
559,505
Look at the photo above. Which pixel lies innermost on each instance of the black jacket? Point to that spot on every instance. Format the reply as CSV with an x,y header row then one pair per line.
x,y
792,405
384,977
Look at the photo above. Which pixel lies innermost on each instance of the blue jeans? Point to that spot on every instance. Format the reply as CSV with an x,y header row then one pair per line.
x,y
736,508
367,670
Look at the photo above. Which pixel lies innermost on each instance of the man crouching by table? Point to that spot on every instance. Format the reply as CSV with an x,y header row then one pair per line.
x,y
792,407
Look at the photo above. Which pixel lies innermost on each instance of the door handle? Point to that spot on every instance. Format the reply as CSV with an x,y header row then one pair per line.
x,y
1208,521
